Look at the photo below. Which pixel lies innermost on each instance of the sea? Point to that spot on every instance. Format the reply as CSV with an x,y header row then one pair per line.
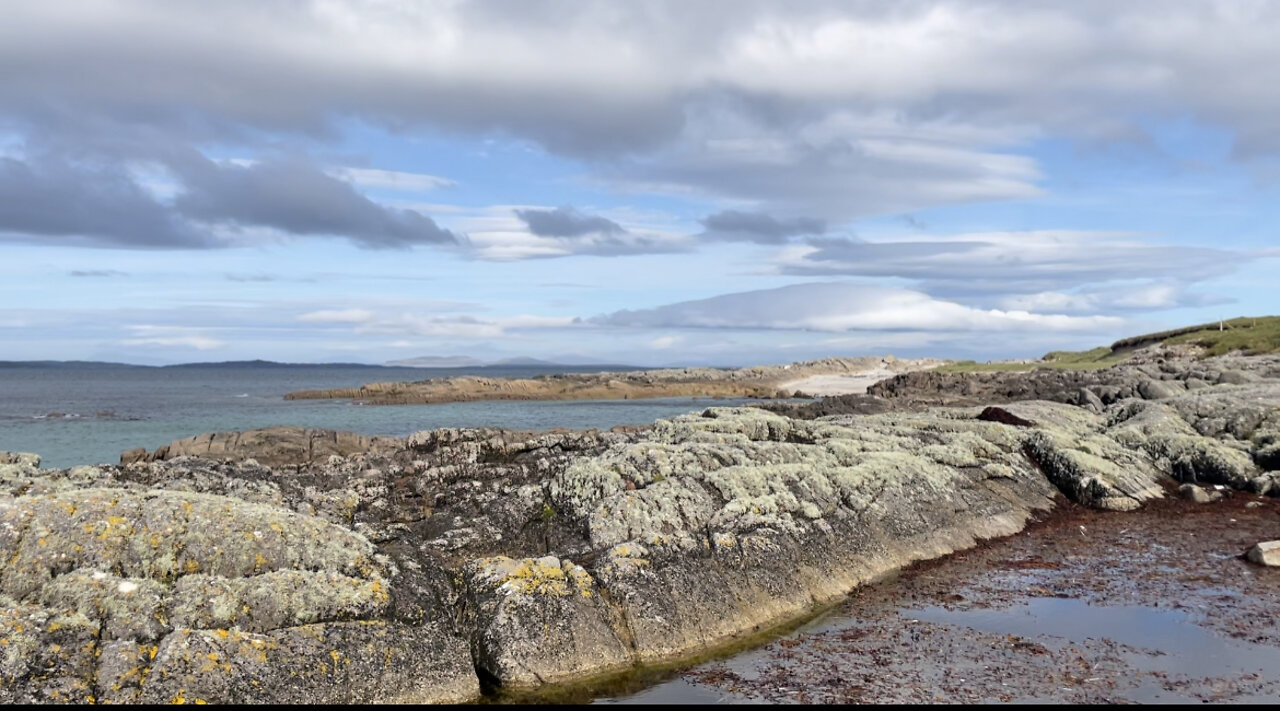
x,y
89,413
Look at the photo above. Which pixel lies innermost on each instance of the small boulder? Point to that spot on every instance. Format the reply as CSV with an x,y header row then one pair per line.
x,y
1196,494
1265,553
1236,377
1089,400
1155,390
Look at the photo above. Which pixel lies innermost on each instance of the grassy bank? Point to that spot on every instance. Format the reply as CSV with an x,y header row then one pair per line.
x,y
1248,334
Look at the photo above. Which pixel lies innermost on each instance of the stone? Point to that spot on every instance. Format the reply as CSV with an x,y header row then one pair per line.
x,y
1236,377
1198,495
540,621
1155,390
1265,553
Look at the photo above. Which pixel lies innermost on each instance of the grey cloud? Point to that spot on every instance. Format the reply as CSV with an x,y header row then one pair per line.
x,y
551,72
759,227
293,195
58,201
788,107
78,189
977,268
567,222
97,273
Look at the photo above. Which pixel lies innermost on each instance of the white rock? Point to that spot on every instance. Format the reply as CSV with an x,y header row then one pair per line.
x,y
1265,553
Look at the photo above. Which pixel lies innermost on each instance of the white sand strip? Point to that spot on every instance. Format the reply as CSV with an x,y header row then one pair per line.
x,y
842,384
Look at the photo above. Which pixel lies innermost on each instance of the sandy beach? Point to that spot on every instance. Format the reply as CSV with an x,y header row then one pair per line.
x,y
840,384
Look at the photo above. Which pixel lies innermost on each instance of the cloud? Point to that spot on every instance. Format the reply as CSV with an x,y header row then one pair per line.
x,y
567,222
404,323
171,336
731,225
290,194
539,233
52,199
836,110
91,195
390,179
838,307
1142,296
359,316
986,265
97,273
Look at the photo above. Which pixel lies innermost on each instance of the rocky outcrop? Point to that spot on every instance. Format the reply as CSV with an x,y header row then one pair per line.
x,y
408,572
753,382
120,595
273,446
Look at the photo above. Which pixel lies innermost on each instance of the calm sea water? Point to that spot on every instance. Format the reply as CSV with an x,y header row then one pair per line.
x,y
90,414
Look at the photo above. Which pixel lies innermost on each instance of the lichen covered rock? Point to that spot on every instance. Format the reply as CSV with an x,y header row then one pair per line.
x,y
541,620
164,596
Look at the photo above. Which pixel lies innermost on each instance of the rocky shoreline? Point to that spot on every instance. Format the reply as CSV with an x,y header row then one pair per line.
x,y
416,569
765,382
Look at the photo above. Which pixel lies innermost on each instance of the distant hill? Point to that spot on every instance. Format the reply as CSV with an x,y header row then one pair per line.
x,y
437,362
515,362
81,364
268,364
106,365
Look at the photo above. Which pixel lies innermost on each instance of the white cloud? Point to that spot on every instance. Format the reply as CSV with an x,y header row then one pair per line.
x,y
171,336
839,307
391,179
338,316
406,323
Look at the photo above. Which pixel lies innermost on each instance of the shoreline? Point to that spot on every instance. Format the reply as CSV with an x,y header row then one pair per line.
x,y
542,559
762,382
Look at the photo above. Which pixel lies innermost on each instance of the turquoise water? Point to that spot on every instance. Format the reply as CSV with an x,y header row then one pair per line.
x,y
90,414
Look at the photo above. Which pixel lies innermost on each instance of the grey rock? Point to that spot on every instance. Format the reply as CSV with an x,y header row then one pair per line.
x,y
1236,377
541,621
1155,390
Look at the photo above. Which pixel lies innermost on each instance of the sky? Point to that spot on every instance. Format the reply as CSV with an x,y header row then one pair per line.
x,y
653,183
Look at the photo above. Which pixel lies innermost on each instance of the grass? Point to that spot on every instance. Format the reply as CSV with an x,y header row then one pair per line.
x,y
1246,334
1250,335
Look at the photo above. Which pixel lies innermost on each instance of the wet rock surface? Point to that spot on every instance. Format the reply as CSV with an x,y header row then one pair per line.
x,y
414,568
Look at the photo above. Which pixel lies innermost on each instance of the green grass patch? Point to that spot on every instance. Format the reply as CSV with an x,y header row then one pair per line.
x,y
1095,359
1250,335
